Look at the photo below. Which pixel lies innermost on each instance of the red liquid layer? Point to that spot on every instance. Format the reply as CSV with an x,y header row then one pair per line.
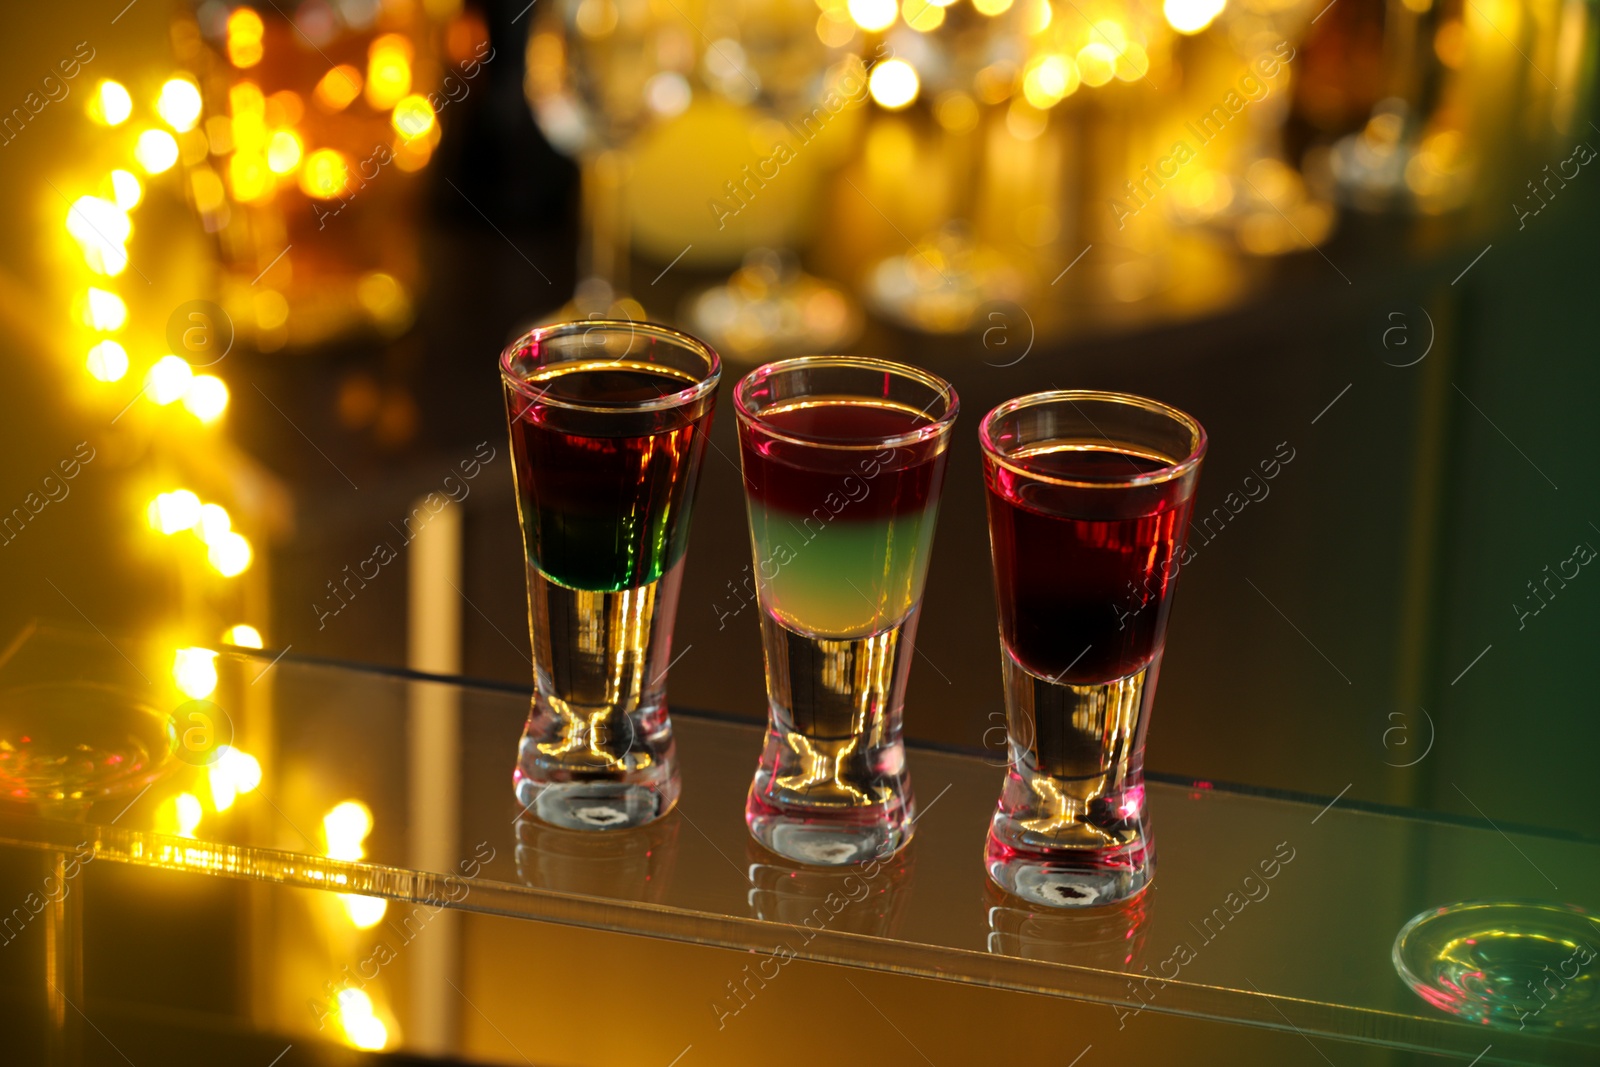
x,y
605,495
1084,574
872,481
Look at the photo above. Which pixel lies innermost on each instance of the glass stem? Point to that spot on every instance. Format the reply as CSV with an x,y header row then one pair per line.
x,y
604,262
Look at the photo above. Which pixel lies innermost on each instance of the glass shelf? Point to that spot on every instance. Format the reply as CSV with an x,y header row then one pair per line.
x,y
1267,911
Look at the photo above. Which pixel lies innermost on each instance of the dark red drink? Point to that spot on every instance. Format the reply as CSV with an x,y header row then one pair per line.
x,y
1083,574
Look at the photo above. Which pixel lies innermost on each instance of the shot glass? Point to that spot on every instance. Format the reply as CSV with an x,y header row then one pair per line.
x,y
843,461
1089,496
608,426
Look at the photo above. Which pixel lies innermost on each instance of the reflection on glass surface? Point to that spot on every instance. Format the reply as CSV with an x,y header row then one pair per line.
x,y
1312,946
632,864
870,899
1112,937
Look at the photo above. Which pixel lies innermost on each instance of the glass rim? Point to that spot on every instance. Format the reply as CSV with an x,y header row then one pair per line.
x,y
939,427
1166,473
707,383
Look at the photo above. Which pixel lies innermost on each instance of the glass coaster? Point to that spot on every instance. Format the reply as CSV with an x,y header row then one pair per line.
x,y
1522,965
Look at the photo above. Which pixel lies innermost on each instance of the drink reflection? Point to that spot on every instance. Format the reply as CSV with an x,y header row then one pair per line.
x,y
866,899
1107,938
633,864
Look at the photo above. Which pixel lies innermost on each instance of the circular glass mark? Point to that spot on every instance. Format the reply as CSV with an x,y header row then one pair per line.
x,y
1518,965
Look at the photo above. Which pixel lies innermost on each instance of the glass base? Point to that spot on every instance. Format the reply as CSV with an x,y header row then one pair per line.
x,y
1070,829
600,805
832,787
822,835
1067,878
597,752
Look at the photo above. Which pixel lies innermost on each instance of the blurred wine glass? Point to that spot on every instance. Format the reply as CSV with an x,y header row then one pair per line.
x,y
991,72
601,73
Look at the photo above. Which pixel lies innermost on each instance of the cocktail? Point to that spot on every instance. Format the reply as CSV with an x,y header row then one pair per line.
x,y
843,460
608,428
1089,497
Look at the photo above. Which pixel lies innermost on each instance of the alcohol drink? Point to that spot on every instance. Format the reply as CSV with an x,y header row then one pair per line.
x,y
843,461
608,425
1089,497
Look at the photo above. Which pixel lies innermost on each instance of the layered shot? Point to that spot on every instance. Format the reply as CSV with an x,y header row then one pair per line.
x,y
608,424
843,461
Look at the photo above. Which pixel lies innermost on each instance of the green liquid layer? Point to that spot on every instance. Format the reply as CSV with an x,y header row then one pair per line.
x,y
843,578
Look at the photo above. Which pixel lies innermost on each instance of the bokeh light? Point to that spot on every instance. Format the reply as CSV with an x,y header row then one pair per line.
x,y
179,104
156,151
244,635
194,672
206,398
110,103
230,554
107,361
894,84
167,379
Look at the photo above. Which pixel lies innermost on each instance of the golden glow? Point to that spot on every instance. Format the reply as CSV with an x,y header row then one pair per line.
x,y
244,635
223,794
283,152
1191,16
1042,16
104,310
110,103
364,912
230,554
921,15
206,398
245,100
194,672
383,296
244,37
213,522
325,174
596,18
187,813
873,15
362,1028
413,116
126,190
167,379
284,108
345,828
956,112
250,174
1097,63
156,151
338,88
272,308
1133,63
174,512
107,362
207,189
219,134
388,71
179,104
835,29
894,84
1048,80
992,7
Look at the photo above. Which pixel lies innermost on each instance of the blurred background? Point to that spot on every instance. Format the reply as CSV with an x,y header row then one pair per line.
x,y
261,259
